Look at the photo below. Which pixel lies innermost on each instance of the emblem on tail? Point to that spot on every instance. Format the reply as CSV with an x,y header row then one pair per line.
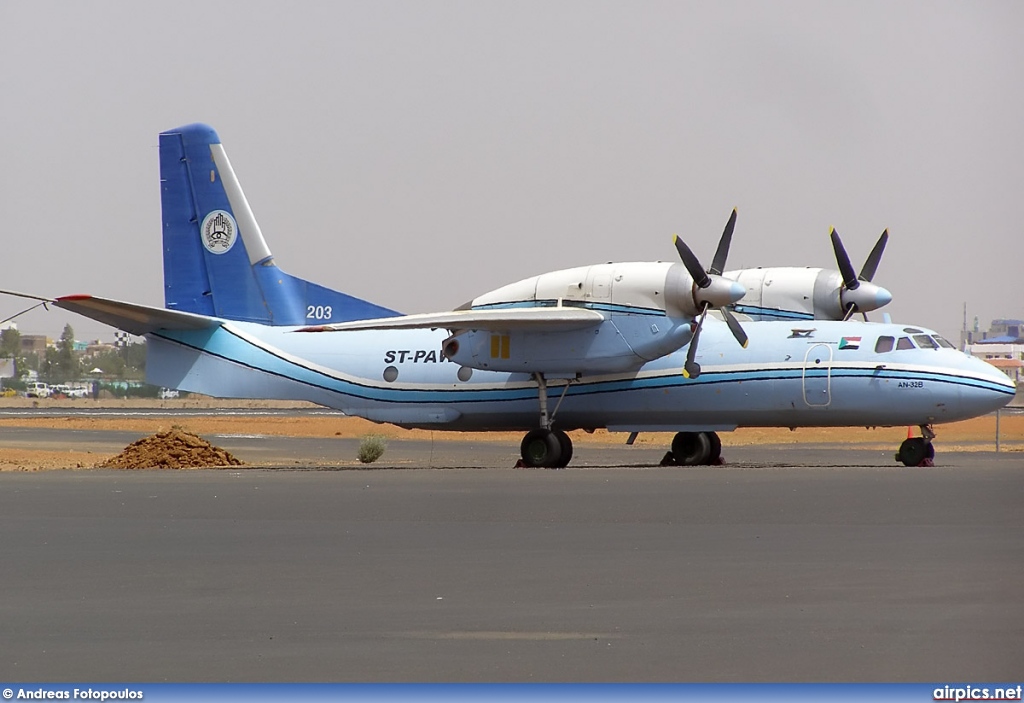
x,y
219,232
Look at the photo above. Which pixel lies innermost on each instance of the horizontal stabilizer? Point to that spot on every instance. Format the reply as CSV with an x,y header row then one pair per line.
x,y
132,318
502,319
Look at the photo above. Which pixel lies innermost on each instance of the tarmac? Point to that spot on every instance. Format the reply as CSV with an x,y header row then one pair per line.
x,y
795,563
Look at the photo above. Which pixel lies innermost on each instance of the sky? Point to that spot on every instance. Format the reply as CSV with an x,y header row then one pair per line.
x,y
419,154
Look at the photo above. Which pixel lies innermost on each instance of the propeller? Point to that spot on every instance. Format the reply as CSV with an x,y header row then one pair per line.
x,y
710,289
858,293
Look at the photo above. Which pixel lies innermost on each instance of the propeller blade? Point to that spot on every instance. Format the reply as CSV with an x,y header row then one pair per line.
x,y
691,369
722,253
850,309
843,259
734,327
871,263
696,271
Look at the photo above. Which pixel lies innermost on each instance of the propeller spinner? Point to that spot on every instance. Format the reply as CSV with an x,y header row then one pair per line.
x,y
710,289
858,293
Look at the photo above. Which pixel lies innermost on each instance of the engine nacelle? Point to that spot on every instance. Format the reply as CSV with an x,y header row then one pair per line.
x,y
621,343
633,288
648,309
790,293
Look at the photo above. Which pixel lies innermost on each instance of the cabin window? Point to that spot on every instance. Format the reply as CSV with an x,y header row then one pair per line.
x,y
904,343
925,342
884,344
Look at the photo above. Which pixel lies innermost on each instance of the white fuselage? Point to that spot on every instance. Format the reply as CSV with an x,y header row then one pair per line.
x,y
819,373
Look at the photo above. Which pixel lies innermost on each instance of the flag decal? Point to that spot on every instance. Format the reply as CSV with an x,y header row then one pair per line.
x,y
849,343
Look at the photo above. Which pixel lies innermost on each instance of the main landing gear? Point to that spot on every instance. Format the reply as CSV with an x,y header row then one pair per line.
x,y
546,447
918,451
694,449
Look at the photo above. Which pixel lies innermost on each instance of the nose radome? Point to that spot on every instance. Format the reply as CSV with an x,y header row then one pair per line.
x,y
1000,388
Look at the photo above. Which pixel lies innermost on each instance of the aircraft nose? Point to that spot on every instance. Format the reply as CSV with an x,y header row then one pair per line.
x,y
992,390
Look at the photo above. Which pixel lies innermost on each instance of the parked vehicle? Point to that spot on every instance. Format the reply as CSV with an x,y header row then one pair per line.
x,y
167,393
37,389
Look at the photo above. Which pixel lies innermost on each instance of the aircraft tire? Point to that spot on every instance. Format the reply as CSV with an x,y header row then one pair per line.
x,y
691,448
715,453
565,444
541,448
915,450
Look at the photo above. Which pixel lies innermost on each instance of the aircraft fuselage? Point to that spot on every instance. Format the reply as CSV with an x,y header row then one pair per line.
x,y
814,374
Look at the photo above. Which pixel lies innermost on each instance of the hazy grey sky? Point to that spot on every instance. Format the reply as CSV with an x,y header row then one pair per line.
x,y
418,154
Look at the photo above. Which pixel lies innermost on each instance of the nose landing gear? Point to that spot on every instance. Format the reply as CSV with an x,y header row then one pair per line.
x,y
918,451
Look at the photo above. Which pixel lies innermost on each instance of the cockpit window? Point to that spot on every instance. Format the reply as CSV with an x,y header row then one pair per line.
x,y
925,342
904,343
943,343
884,344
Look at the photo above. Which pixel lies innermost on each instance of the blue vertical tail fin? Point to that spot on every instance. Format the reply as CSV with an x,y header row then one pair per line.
x,y
216,261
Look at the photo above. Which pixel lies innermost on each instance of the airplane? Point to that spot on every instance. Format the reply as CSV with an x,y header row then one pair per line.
x,y
628,347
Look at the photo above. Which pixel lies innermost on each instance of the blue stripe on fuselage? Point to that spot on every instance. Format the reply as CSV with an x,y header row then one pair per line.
x,y
230,345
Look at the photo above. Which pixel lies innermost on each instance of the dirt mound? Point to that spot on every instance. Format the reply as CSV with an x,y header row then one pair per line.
x,y
175,449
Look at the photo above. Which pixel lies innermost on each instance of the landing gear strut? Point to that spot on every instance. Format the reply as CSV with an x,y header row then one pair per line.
x,y
918,451
694,449
546,447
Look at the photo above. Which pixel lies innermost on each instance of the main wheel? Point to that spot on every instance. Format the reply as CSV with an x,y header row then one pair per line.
x,y
565,445
541,447
691,448
715,453
914,450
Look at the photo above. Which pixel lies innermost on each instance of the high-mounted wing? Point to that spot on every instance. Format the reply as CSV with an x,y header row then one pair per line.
x,y
541,319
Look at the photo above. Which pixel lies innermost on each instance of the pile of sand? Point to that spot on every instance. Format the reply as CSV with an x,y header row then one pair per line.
x,y
176,449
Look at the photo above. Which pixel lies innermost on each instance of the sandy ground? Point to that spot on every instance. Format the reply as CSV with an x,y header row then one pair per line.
x,y
976,435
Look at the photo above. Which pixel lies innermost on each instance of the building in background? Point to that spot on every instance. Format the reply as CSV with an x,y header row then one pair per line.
x,y
1006,331
1002,346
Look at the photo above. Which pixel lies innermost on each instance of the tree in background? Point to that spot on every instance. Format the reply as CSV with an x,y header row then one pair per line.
x,y
61,365
111,363
10,343
10,348
128,363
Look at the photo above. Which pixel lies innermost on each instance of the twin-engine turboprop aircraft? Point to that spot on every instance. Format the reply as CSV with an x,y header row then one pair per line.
x,y
629,347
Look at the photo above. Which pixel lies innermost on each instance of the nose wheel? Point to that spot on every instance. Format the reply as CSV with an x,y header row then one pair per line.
x,y
918,451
